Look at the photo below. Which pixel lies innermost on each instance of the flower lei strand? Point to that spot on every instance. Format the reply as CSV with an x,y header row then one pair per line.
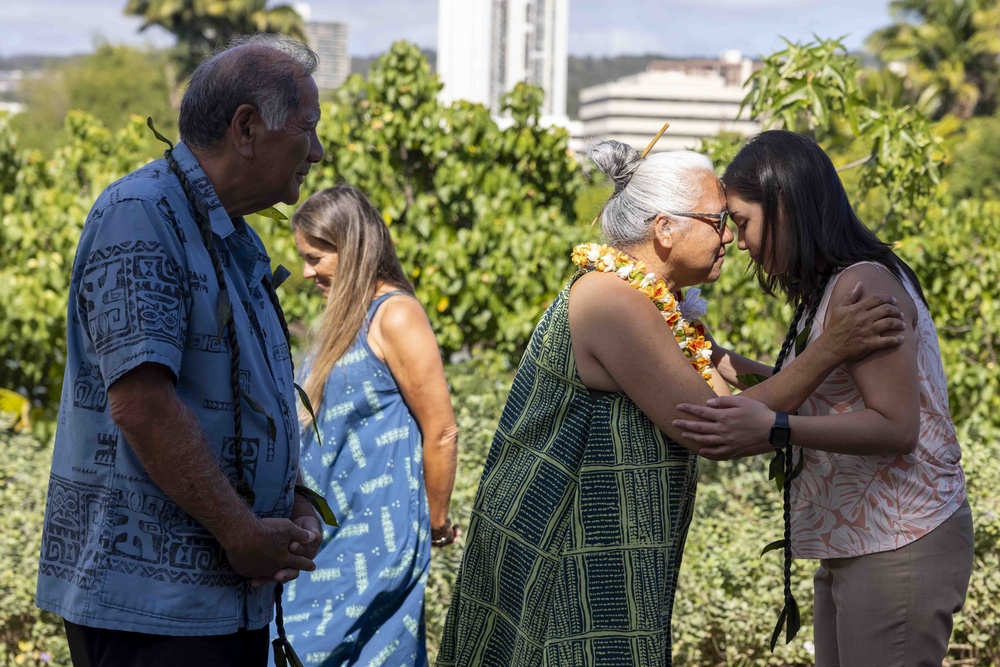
x,y
680,314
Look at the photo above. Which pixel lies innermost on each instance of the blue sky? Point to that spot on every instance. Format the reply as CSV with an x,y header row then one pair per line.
x,y
597,27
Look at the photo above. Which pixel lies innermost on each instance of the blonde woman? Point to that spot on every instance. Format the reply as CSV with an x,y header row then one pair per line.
x,y
387,460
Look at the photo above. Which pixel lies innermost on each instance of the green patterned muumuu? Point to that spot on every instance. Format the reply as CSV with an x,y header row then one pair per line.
x,y
577,531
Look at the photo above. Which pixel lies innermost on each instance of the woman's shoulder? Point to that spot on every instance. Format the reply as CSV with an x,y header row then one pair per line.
x,y
399,310
400,326
605,291
605,311
875,278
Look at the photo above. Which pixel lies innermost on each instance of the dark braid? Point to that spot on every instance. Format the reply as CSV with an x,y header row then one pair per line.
x,y
243,487
789,339
790,612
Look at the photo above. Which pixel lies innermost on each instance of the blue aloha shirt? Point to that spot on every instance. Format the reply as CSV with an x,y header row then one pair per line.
x,y
116,552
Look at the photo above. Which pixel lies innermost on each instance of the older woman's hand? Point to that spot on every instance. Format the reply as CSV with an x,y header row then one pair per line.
x,y
734,427
857,327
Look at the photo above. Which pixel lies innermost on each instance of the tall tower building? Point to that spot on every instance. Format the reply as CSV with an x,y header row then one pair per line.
x,y
329,40
485,47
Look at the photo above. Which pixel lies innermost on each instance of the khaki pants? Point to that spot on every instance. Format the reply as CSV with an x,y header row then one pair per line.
x,y
894,609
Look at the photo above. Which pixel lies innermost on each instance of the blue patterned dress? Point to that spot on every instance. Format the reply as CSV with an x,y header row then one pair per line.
x,y
364,603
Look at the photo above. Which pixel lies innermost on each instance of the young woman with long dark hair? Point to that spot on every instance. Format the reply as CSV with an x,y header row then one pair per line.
x,y
577,530
880,499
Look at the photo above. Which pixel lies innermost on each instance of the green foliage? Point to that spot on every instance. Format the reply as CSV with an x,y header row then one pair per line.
x,y
482,217
479,390
976,159
112,84
814,89
807,87
950,49
25,632
729,595
43,206
201,26
957,258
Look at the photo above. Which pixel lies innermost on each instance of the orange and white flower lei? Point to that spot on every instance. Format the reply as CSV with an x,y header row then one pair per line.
x,y
690,335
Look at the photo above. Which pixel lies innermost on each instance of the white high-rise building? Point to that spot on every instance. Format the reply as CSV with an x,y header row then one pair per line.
x,y
485,47
329,40
698,97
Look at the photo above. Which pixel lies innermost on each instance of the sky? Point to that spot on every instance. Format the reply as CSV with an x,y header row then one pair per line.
x,y
596,27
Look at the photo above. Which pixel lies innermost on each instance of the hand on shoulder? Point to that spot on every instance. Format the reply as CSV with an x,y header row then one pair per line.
x,y
869,311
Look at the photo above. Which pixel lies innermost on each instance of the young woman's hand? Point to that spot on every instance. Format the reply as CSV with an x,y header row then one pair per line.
x,y
858,327
735,427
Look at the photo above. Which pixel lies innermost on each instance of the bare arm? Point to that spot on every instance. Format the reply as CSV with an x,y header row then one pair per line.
x,y
887,381
889,385
855,328
402,333
730,364
167,438
621,343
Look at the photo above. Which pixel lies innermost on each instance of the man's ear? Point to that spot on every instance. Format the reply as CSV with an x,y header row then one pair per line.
x,y
663,232
244,129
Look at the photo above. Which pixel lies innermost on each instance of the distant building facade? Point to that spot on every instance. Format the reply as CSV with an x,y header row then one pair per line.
x,y
485,47
10,85
698,97
329,41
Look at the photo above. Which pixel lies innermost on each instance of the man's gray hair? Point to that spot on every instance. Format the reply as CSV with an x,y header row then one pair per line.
x,y
261,70
662,182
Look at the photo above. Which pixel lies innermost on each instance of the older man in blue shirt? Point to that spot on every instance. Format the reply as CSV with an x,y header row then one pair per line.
x,y
172,508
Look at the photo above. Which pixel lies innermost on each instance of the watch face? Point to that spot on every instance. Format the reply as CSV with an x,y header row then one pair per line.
x,y
780,436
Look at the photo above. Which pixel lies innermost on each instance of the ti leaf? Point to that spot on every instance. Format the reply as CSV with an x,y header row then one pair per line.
x,y
273,214
223,311
776,469
280,275
798,466
802,340
750,379
777,544
790,612
156,133
307,404
319,504
272,429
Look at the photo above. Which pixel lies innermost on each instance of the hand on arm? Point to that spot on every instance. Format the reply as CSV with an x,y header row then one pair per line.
x,y
739,427
404,336
167,438
621,343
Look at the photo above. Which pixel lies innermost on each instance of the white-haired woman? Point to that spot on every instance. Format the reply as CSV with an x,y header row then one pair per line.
x,y
387,460
579,523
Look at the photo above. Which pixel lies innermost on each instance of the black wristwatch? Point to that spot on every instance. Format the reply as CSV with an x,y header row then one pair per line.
x,y
781,432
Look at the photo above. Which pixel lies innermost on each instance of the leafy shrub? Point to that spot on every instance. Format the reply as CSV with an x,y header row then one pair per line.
x,y
28,636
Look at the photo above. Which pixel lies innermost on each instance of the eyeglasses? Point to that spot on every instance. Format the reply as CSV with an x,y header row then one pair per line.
x,y
720,226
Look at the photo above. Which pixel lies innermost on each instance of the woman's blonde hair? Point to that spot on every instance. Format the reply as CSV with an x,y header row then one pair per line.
x,y
343,217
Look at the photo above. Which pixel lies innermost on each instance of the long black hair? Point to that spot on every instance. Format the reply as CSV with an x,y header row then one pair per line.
x,y
789,175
